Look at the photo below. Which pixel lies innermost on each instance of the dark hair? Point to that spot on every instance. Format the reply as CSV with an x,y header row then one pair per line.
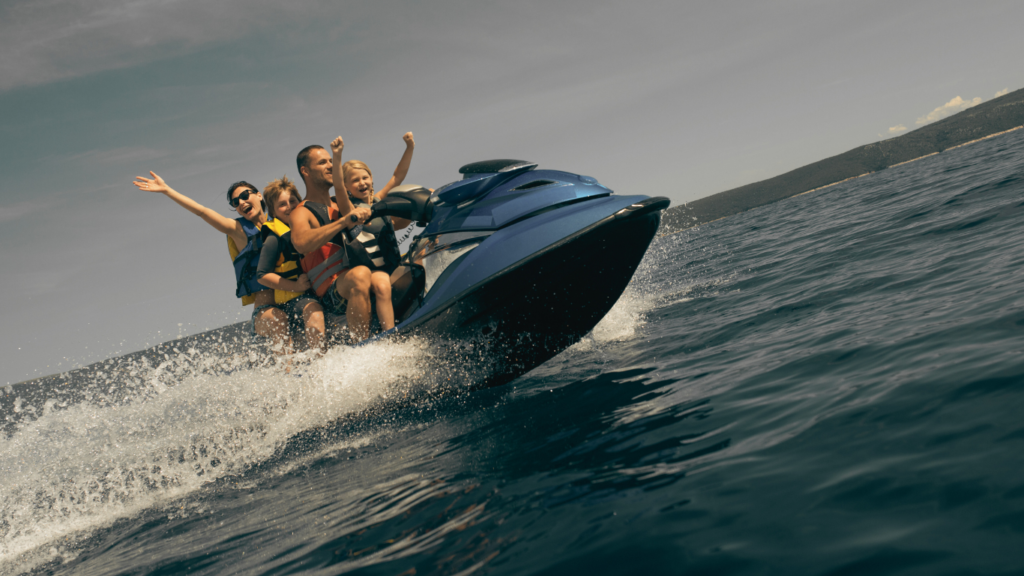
x,y
303,157
240,183
247,185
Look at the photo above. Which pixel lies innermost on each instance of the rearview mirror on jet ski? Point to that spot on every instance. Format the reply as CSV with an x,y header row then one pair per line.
x,y
409,201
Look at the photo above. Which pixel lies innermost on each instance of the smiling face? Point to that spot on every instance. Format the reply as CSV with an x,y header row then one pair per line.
x,y
317,171
359,183
250,208
283,207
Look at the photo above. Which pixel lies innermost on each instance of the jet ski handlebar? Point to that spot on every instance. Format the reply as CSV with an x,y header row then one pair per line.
x,y
409,201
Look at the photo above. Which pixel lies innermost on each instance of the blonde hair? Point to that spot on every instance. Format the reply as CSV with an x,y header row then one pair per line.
x,y
354,165
275,188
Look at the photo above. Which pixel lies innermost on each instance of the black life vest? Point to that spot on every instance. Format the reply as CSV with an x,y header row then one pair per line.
x,y
375,245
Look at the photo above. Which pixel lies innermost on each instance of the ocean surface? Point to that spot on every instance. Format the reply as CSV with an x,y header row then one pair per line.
x,y
832,384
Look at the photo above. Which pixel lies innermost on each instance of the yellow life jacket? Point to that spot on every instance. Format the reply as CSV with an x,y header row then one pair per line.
x,y
287,266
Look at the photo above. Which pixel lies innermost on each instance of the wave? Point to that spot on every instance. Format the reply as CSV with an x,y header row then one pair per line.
x,y
85,449
144,434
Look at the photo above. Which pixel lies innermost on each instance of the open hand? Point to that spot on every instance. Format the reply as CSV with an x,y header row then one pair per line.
x,y
337,145
156,184
409,142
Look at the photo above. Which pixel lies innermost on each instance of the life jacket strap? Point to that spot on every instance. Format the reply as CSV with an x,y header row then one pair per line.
x,y
323,272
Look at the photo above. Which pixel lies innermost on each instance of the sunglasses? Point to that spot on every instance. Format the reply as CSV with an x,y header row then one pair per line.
x,y
243,196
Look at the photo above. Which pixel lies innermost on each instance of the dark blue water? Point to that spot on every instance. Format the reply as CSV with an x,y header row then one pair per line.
x,y
832,384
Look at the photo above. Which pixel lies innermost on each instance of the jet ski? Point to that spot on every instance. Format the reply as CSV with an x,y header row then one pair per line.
x,y
515,262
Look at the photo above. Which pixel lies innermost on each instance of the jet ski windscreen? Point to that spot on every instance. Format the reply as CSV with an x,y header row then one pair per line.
x,y
437,253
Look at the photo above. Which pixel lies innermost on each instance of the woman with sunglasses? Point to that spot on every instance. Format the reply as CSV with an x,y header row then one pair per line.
x,y
244,244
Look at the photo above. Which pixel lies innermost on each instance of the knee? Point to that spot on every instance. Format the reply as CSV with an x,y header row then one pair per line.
x,y
313,309
381,286
313,314
272,315
271,320
360,277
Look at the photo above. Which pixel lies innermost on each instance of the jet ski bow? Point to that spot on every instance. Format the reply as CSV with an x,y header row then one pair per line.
x,y
518,262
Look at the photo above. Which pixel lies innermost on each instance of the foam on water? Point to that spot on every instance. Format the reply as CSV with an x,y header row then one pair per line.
x,y
622,322
75,468
147,436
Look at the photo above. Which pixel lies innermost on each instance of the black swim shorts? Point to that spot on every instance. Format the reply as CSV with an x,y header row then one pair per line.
x,y
333,302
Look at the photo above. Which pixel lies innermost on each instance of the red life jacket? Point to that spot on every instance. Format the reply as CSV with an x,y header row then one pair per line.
x,y
325,263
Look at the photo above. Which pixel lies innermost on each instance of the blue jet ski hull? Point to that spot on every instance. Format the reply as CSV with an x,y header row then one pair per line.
x,y
537,258
526,313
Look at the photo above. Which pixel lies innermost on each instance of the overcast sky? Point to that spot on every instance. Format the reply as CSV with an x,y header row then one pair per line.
x,y
681,99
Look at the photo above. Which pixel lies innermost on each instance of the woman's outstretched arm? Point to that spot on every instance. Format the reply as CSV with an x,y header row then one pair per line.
x,y
221,223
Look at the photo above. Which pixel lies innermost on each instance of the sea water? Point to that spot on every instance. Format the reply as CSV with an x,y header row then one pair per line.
x,y
832,384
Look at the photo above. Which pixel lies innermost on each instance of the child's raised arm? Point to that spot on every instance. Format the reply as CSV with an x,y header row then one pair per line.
x,y
337,175
221,223
402,170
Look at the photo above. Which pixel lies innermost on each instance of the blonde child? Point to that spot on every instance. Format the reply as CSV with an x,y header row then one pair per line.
x,y
376,246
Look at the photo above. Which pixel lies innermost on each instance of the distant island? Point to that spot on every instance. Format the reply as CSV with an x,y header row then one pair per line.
x,y
985,120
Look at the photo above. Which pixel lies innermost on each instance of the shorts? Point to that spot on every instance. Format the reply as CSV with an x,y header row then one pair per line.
x,y
292,309
333,302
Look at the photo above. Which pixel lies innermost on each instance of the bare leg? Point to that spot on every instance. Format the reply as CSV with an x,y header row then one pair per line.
x,y
380,283
354,286
273,323
313,320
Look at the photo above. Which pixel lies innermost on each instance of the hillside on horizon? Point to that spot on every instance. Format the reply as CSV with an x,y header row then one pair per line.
x,y
989,118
